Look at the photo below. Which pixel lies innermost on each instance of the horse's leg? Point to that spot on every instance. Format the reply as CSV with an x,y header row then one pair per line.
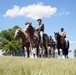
x,y
66,53
58,53
34,52
49,51
63,51
23,51
64,48
37,51
46,52
31,51
52,52
67,49
40,51
27,51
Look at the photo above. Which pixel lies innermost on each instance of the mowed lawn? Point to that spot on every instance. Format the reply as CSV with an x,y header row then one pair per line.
x,y
37,66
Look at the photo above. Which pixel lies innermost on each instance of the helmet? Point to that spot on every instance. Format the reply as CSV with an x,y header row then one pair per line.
x,y
62,28
39,20
26,23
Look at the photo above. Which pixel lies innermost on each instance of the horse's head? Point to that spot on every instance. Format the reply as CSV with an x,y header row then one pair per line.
x,y
57,36
28,29
17,34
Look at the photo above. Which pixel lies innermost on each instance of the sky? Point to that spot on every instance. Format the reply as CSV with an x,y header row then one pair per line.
x,y
55,14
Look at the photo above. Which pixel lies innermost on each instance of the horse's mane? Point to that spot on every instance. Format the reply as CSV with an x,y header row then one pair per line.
x,y
58,38
31,30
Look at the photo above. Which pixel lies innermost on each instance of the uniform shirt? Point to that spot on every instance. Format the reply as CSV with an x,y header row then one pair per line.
x,y
42,26
63,34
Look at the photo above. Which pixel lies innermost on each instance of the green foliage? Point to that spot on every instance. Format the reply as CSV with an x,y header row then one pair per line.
x,y
7,43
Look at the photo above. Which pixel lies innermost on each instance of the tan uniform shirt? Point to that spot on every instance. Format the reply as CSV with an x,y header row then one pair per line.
x,y
63,34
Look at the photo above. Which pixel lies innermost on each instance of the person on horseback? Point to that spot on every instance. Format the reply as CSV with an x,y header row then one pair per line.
x,y
51,42
63,34
40,30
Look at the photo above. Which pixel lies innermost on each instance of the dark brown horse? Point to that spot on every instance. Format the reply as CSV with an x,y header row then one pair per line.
x,y
24,40
62,44
34,38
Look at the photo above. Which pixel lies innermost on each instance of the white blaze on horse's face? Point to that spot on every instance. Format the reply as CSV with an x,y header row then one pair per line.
x,y
16,33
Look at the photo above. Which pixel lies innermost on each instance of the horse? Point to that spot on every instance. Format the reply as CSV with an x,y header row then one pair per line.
x,y
51,47
61,44
24,40
34,38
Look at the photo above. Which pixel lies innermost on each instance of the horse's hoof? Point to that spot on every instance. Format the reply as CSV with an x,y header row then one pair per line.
x,y
67,56
63,57
35,56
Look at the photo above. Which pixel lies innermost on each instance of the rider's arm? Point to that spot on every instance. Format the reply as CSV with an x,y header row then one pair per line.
x,y
40,26
64,34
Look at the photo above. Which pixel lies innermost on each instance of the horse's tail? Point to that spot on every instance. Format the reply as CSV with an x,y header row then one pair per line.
x,y
67,44
46,39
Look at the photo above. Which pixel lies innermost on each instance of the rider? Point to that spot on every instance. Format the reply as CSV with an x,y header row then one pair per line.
x,y
51,42
63,34
40,30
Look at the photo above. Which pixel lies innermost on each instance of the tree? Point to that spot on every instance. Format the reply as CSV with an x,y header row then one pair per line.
x,y
75,53
7,43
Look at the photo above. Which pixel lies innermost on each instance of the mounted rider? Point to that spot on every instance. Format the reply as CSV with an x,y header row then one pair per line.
x,y
40,30
63,34
51,42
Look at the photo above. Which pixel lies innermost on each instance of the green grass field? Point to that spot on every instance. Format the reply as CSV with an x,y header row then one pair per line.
x,y
39,66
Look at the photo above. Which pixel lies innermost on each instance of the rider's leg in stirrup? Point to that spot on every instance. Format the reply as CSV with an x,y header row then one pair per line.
x,y
41,35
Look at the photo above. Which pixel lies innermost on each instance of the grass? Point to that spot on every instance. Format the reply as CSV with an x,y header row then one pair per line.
x,y
39,66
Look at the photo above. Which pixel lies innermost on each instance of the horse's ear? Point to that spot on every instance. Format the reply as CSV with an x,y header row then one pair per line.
x,y
54,32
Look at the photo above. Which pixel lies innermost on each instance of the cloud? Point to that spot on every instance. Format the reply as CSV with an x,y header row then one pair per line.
x,y
72,42
67,13
34,11
64,13
12,12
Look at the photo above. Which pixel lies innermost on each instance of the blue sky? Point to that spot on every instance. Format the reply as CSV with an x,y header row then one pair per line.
x,y
54,14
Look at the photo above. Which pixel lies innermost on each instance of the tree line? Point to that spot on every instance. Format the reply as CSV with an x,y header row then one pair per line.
x,y
7,43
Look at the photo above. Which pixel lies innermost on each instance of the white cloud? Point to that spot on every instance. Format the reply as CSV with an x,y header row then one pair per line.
x,y
34,11
12,12
67,13
72,42
61,13
64,13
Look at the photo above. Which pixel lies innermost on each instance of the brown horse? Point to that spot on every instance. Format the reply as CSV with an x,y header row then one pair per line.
x,y
24,40
62,44
34,38
51,47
